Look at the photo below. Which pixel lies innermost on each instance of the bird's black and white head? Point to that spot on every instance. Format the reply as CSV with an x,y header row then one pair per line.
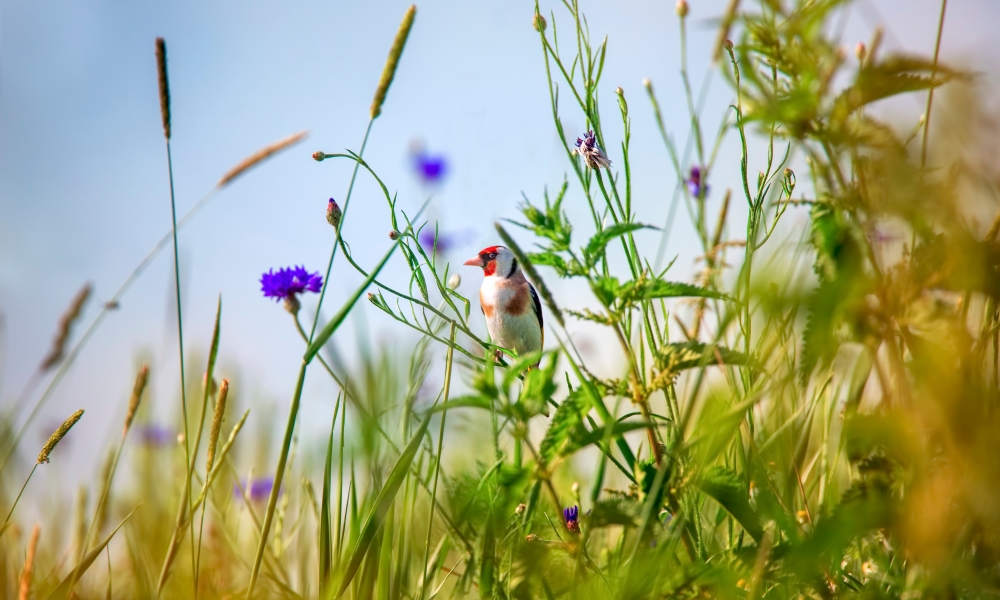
x,y
495,261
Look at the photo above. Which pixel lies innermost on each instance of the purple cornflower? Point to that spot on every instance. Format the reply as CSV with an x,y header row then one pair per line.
x,y
152,434
287,283
445,241
572,517
429,167
257,490
593,156
694,183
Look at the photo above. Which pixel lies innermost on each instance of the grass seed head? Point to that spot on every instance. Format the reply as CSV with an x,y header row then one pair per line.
x,y
66,322
161,71
133,402
59,434
389,71
29,560
261,155
220,412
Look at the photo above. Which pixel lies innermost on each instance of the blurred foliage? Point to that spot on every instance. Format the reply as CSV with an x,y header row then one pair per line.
x,y
775,431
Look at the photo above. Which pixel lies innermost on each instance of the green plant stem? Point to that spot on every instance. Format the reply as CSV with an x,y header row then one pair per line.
x,y
343,217
930,92
437,462
16,500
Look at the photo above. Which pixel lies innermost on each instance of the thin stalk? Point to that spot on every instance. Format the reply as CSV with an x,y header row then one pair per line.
x,y
16,500
437,463
930,93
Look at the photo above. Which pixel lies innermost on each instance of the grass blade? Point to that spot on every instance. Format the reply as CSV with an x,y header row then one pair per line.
x,y
382,505
329,328
326,531
86,561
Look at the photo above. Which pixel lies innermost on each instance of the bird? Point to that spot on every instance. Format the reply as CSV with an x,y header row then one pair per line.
x,y
509,302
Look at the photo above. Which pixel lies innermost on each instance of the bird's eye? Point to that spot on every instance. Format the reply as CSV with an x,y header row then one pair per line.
x,y
493,255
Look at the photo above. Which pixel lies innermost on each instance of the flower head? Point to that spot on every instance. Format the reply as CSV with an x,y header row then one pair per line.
x,y
694,183
572,517
593,156
152,434
430,168
257,490
287,283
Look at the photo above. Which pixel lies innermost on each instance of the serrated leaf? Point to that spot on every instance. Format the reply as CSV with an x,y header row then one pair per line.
x,y
679,356
566,423
648,289
606,289
616,510
595,247
725,487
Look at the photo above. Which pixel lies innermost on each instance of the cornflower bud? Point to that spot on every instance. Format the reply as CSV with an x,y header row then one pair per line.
x,y
728,44
319,155
538,22
333,213
453,282
393,235
681,8
647,83
520,509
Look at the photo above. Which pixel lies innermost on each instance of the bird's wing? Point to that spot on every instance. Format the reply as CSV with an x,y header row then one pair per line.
x,y
536,305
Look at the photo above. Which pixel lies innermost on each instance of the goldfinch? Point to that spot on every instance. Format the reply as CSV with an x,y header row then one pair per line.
x,y
509,302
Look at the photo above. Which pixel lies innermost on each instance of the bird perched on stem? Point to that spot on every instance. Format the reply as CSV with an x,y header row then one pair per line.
x,y
509,302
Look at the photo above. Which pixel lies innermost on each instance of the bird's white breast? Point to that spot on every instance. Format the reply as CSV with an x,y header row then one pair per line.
x,y
516,329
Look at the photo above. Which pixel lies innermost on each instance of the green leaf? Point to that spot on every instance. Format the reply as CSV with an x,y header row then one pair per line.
x,y
595,247
567,422
325,522
679,356
606,289
468,401
382,504
648,289
334,323
64,587
725,487
616,510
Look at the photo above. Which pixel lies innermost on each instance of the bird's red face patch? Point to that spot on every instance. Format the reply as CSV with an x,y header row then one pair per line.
x,y
487,260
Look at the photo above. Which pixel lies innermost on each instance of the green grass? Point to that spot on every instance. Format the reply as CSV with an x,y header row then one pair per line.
x,y
814,415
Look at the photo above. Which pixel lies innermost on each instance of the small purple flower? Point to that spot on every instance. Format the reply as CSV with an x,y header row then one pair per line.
x,y
445,242
154,435
572,517
694,183
429,167
287,283
257,490
592,154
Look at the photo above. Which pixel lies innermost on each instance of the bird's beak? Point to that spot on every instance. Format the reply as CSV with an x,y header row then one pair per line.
x,y
474,262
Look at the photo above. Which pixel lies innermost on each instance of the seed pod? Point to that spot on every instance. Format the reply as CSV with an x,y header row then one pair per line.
x,y
389,71
538,22
59,434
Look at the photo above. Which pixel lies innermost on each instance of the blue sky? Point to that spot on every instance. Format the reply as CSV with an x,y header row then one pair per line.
x,y
83,184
